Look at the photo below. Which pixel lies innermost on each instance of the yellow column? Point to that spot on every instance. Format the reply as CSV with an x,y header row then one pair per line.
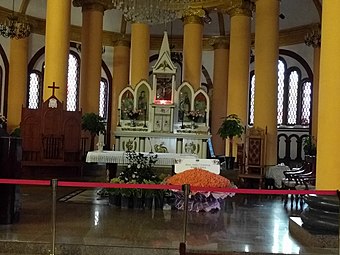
x,y
192,47
238,78
266,60
315,99
91,55
328,160
140,46
57,44
220,91
120,78
18,60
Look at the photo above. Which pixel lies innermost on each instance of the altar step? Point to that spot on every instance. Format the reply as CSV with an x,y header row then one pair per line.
x,y
30,248
311,239
39,248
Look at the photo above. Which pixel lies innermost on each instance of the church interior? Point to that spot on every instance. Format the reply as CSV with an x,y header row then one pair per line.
x,y
248,86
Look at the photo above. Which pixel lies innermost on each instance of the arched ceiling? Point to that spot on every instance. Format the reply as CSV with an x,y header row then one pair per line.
x,y
295,20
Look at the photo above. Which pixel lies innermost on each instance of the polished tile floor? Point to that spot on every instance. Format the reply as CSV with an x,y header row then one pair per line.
x,y
246,224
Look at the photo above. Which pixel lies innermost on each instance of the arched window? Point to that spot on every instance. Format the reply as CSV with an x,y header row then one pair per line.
x,y
294,96
72,100
280,90
34,90
252,98
306,102
103,98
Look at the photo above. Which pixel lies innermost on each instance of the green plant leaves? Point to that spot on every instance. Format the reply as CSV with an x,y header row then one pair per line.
x,y
231,126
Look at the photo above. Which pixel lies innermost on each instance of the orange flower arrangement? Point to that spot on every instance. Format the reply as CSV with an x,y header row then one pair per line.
x,y
199,178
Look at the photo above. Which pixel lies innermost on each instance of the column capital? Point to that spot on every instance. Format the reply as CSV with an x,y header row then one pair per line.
x,y
313,37
241,7
97,5
193,16
122,41
219,42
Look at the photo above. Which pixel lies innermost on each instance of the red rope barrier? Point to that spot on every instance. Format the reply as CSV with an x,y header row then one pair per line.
x,y
117,185
26,182
166,187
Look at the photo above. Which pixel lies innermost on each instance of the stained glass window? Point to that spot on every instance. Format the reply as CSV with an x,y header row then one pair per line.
x,y
280,91
72,83
103,98
34,90
293,99
306,103
252,100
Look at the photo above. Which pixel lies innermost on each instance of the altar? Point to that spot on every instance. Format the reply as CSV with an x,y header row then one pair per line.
x,y
119,157
113,158
165,116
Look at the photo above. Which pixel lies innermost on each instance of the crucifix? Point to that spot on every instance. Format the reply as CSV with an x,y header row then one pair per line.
x,y
53,87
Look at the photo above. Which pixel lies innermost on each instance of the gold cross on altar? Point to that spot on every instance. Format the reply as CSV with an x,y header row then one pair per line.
x,y
54,87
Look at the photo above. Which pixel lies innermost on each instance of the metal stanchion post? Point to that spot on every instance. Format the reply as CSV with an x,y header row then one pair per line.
x,y
182,245
338,193
54,201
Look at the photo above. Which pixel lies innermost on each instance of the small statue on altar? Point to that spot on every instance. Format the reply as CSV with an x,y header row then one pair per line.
x,y
184,105
142,103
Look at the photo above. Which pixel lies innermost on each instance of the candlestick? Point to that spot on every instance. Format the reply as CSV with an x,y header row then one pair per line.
x,y
119,115
182,114
144,118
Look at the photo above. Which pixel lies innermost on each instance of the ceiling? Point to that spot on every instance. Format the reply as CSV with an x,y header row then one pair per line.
x,y
295,15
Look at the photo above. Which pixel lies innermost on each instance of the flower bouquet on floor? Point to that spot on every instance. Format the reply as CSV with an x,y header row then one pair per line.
x,y
200,201
139,170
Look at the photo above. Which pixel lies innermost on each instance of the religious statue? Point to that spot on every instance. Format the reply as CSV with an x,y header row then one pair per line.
x,y
184,105
142,102
126,104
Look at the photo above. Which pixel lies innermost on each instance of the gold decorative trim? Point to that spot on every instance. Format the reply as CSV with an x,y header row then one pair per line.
x,y
240,12
241,7
219,42
193,16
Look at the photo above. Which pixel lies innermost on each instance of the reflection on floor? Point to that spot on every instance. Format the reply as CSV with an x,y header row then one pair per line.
x,y
87,224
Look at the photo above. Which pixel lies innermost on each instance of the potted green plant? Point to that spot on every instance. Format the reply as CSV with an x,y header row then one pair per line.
x,y
231,126
309,145
93,123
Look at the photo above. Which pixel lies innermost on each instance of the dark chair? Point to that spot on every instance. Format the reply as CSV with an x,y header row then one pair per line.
x,y
255,155
297,179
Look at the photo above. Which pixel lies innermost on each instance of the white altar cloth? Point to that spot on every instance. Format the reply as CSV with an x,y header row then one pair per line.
x,y
119,157
276,173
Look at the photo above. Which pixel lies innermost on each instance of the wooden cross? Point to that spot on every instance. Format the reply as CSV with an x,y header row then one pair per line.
x,y
53,87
